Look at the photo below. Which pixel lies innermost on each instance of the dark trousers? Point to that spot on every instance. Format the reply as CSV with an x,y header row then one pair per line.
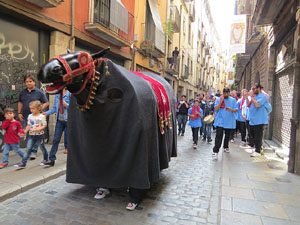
x,y
136,195
250,137
219,138
257,134
195,131
243,130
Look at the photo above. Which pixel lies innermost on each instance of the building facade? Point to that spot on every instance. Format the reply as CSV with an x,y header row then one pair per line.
x,y
272,59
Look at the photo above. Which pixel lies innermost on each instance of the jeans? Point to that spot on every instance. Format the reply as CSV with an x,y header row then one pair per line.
x,y
35,140
219,138
207,130
182,119
195,131
60,127
15,147
35,147
257,134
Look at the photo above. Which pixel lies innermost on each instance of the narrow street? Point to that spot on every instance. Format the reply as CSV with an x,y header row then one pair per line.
x,y
235,189
188,193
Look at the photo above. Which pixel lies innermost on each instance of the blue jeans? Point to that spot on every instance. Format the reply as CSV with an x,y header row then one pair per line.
x,y
35,140
35,147
15,147
182,119
207,130
60,127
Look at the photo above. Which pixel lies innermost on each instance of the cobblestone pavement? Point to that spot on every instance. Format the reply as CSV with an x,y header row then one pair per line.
x,y
188,193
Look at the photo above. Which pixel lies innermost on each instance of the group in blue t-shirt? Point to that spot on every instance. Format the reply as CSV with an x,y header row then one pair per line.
x,y
259,115
224,118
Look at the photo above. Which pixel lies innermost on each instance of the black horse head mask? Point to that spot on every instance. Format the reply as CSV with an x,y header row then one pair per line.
x,y
76,71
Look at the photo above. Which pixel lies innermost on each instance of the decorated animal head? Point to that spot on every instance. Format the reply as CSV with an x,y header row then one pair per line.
x,y
72,70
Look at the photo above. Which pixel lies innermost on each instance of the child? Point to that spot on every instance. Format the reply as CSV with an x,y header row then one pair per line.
x,y
35,125
196,115
12,129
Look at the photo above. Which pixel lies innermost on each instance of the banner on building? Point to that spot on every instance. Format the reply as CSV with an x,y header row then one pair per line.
x,y
238,35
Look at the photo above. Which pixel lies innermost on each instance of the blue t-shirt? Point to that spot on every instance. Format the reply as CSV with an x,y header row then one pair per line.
x,y
26,97
246,110
195,123
224,118
239,112
259,115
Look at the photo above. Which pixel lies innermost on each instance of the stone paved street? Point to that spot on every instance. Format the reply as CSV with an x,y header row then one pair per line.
x,y
235,189
188,193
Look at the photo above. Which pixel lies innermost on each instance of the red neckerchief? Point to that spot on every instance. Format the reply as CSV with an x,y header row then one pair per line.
x,y
242,102
223,104
196,116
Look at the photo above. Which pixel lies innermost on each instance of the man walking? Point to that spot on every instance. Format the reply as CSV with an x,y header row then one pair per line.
x,y
258,116
29,94
182,115
225,108
207,105
241,118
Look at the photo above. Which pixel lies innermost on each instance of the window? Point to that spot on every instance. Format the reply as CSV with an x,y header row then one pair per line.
x,y
101,12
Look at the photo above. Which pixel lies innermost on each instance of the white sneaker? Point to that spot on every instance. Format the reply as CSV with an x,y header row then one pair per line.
x,y
214,155
194,146
226,150
131,206
232,141
254,154
101,193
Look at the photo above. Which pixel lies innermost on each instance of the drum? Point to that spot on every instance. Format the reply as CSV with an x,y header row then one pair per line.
x,y
208,119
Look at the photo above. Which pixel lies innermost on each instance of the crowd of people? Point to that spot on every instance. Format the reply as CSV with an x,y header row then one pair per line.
x,y
31,106
232,112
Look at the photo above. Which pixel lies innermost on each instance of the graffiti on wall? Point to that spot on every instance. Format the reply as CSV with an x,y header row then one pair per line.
x,y
16,60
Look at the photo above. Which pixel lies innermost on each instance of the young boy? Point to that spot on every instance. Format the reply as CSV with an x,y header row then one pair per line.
x,y
35,125
13,129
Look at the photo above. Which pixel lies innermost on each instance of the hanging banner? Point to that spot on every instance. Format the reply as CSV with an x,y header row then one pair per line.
x,y
238,35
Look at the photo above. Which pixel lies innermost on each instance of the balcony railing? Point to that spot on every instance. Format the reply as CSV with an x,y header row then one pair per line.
x,y
112,22
175,18
185,72
172,66
45,3
192,12
154,41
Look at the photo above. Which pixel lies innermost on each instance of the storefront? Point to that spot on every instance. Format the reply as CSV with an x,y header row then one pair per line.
x,y
23,49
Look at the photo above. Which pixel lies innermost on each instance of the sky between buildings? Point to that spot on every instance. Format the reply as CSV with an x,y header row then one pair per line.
x,y
222,12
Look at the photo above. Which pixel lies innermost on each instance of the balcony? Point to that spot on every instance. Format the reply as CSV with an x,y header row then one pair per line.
x,y
192,12
175,19
112,22
185,72
172,66
45,3
266,13
154,41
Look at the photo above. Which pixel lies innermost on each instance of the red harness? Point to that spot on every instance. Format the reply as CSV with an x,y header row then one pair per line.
x,y
86,64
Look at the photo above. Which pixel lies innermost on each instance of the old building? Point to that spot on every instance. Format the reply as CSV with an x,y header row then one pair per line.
x,y
33,31
272,58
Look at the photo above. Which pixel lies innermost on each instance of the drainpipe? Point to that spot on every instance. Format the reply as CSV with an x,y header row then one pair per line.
x,y
72,40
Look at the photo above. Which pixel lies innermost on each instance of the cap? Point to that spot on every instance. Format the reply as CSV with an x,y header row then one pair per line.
x,y
258,85
226,89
